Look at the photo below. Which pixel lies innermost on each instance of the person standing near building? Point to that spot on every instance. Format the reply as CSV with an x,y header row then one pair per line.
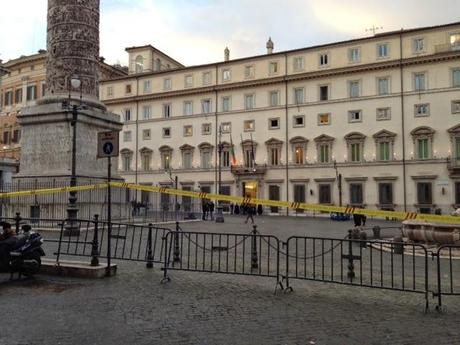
x,y
204,208
211,209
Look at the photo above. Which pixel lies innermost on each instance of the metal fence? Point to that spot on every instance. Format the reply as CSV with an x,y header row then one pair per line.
x,y
128,242
241,254
448,272
368,263
54,205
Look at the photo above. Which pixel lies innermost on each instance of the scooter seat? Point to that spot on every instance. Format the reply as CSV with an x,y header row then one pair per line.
x,y
20,241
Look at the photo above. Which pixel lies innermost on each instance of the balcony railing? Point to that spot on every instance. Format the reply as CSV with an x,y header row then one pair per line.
x,y
443,48
248,170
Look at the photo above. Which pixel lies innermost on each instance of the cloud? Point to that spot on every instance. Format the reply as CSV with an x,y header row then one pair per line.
x,y
197,31
22,27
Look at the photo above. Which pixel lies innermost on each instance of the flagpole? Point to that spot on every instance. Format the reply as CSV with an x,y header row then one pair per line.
x,y
252,153
244,156
220,215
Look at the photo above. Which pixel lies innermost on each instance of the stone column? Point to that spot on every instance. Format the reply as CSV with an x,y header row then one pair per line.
x,y
73,48
48,127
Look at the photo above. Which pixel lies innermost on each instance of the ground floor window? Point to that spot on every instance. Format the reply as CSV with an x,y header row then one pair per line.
x,y
274,194
325,194
424,194
356,194
385,193
225,190
457,193
145,197
186,200
299,195
164,201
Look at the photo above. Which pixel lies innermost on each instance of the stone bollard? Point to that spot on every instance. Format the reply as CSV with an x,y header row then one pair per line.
x,y
398,246
376,231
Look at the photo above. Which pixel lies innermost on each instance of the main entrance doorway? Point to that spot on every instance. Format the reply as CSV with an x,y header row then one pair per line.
x,y
250,189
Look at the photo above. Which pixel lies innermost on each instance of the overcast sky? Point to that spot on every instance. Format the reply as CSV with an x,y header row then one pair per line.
x,y
197,31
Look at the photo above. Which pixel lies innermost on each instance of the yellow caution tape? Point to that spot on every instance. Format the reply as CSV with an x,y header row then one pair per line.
x,y
52,190
242,200
295,205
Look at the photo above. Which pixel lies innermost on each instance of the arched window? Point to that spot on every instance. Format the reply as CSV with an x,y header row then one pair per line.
x,y
139,64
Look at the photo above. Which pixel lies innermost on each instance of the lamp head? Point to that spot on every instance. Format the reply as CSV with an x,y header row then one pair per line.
x,y
75,83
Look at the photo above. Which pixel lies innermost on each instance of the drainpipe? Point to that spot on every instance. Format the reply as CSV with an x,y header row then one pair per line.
x,y
216,103
137,134
403,130
287,127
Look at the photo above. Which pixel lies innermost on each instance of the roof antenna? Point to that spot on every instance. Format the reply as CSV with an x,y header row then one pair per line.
x,y
374,29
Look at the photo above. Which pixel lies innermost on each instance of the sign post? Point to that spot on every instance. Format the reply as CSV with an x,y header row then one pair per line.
x,y
107,147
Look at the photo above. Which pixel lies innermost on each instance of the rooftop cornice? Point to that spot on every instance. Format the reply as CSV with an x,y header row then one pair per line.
x,y
325,46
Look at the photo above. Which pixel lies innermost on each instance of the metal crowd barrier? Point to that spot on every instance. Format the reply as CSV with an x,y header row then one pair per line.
x,y
367,263
230,253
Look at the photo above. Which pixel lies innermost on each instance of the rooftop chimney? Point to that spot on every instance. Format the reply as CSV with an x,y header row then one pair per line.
x,y
270,46
226,54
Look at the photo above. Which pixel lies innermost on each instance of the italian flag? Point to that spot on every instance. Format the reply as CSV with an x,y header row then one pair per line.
x,y
232,151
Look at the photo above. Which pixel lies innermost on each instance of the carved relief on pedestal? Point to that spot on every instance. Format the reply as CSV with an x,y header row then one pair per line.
x,y
73,46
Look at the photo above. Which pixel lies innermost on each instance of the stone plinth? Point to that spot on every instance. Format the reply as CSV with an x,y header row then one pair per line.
x,y
47,141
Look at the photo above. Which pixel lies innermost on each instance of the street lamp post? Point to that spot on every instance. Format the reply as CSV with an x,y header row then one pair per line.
x,y
71,228
176,184
339,182
219,213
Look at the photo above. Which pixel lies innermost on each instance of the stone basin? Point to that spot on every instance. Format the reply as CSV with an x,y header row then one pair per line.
x,y
420,231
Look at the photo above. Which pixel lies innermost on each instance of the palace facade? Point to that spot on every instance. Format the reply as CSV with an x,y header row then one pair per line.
x,y
371,122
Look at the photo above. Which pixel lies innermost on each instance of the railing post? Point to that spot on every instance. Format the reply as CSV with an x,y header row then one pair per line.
x,y
176,244
351,266
95,244
17,221
254,256
149,248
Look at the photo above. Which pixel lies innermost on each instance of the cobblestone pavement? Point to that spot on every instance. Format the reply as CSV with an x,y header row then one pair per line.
x,y
199,308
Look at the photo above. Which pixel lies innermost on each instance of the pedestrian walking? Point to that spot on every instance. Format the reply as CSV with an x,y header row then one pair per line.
x,y
250,210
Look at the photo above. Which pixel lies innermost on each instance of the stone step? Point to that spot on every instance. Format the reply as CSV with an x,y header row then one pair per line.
x,y
76,269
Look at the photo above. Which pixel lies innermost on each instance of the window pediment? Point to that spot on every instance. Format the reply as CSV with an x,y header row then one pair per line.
x,y
225,144
205,146
298,140
422,131
454,130
324,138
355,136
146,150
384,135
165,149
126,152
187,147
273,142
248,143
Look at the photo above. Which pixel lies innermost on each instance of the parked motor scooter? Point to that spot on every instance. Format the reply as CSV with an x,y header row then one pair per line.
x,y
22,253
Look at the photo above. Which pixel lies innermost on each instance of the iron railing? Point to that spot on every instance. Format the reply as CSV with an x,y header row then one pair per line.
x,y
230,253
367,263
448,272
